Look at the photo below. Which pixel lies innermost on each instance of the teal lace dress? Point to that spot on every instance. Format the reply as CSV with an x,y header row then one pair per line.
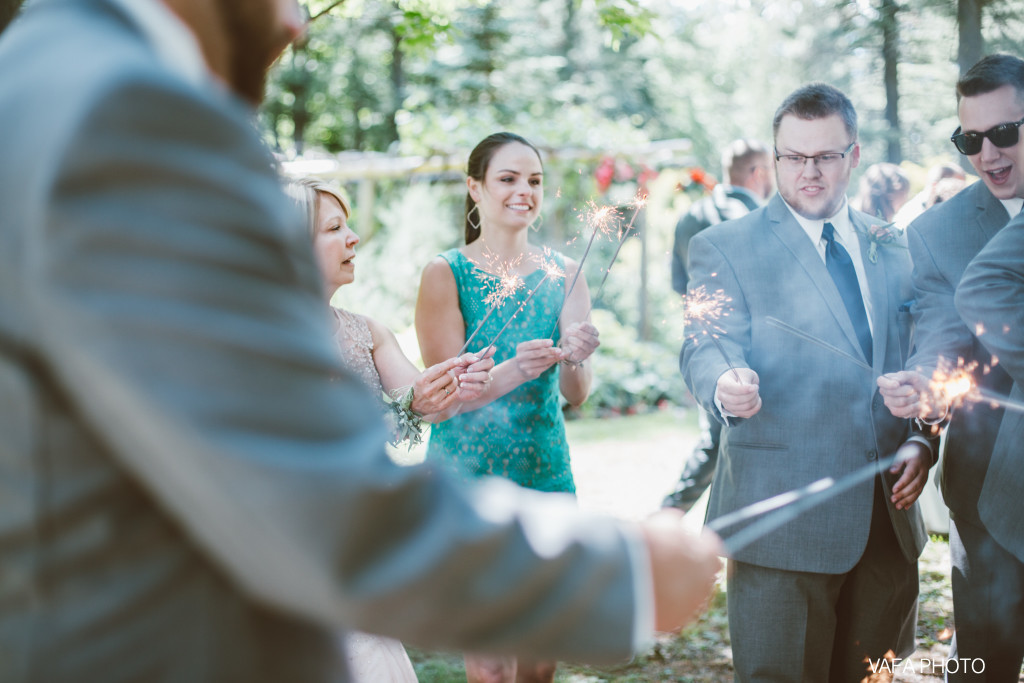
x,y
520,436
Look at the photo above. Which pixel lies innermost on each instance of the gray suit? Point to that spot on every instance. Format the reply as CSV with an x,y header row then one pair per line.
x,y
991,294
821,416
186,495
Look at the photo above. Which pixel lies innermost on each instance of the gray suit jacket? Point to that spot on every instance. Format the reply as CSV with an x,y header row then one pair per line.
x,y
821,414
943,240
991,293
185,494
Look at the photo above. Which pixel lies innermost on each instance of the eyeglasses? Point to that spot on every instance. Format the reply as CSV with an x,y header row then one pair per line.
x,y
1003,135
796,161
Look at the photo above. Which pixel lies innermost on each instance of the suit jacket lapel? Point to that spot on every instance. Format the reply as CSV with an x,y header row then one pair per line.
x,y
878,288
793,237
992,214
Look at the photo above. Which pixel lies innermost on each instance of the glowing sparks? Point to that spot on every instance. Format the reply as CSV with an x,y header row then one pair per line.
x,y
602,218
704,311
507,283
949,387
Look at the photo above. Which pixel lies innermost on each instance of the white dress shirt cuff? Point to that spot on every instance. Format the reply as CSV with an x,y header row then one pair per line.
x,y
643,589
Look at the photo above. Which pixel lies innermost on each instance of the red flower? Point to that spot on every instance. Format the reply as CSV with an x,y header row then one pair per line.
x,y
604,174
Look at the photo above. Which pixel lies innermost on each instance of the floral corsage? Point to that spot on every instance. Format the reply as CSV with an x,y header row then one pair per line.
x,y
882,235
406,425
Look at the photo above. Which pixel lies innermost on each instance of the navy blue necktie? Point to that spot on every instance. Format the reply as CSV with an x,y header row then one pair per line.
x,y
840,267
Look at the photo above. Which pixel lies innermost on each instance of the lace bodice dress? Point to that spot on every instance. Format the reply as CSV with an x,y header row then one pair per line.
x,y
371,658
355,342
520,436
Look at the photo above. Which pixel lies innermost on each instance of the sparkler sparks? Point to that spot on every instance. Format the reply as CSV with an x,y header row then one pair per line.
x,y
703,310
507,284
551,272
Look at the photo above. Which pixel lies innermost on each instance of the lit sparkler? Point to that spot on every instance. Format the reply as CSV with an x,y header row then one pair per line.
x,y
704,310
552,272
639,202
600,219
796,332
508,283
952,387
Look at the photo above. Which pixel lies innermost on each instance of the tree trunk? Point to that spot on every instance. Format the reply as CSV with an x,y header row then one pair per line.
x,y
890,56
972,44
397,85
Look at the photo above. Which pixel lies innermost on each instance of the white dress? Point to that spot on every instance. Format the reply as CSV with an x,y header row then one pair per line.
x,y
371,658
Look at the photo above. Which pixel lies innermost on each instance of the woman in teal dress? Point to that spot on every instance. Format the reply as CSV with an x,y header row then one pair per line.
x,y
515,429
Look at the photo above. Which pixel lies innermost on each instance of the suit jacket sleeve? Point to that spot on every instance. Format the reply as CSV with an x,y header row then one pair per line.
x,y
703,361
177,305
990,298
940,335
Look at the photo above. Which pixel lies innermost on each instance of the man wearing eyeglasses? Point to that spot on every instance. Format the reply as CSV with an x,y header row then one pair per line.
x,y
837,587
988,579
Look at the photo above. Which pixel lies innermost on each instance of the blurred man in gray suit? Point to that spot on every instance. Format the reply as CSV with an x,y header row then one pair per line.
x,y
192,487
835,589
987,577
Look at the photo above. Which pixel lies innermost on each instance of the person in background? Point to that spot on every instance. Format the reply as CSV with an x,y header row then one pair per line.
x,y
195,489
883,190
747,165
945,175
987,577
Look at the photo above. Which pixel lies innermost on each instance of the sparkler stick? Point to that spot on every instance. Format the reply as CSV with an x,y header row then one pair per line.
x,y
703,309
992,397
796,332
598,217
787,506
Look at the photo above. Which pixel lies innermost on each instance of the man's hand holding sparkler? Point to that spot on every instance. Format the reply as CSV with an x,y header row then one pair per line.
x,y
683,569
913,460
908,394
738,394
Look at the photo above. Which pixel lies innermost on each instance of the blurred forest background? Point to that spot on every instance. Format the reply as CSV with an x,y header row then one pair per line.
x,y
387,97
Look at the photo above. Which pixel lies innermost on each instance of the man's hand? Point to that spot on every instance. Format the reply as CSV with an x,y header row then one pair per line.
x,y
913,463
907,395
683,569
737,391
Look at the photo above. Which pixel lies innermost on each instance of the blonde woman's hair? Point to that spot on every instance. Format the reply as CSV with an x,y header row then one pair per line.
x,y
303,191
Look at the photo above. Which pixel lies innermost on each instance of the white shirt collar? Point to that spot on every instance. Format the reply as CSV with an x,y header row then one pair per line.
x,y
172,40
840,220
1013,206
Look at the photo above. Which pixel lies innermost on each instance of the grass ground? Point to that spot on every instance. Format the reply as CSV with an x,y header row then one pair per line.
x,y
624,467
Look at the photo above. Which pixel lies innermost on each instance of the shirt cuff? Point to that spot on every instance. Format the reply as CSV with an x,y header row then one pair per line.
x,y
643,589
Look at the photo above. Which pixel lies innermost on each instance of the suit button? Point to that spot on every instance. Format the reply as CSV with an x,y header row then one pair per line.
x,y
874,401
870,455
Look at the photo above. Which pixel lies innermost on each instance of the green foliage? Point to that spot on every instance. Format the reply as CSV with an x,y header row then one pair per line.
x,y
630,375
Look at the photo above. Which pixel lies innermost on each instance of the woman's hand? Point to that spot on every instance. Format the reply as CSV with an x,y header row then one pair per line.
x,y
535,356
475,375
579,342
436,388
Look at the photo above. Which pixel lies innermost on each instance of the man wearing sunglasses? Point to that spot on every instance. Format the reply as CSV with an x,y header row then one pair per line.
x,y
988,580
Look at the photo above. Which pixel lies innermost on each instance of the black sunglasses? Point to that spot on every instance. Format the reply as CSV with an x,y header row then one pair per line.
x,y
1003,135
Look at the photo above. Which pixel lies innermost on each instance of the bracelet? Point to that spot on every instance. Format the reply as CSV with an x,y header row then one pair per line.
x,y
406,425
